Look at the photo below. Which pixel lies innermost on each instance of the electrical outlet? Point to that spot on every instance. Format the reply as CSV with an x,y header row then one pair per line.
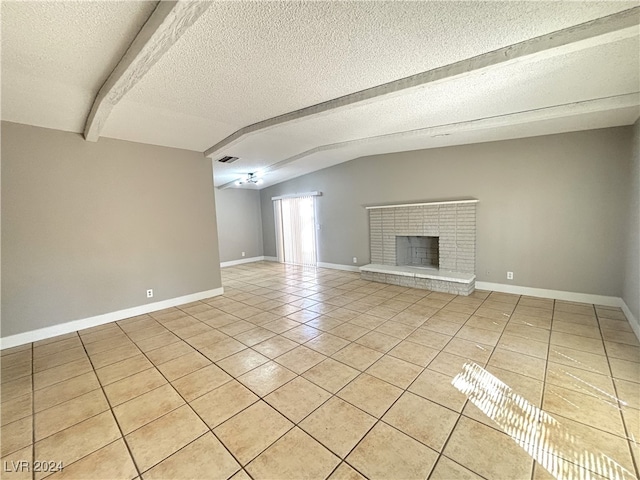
x,y
243,254
150,293
355,259
509,275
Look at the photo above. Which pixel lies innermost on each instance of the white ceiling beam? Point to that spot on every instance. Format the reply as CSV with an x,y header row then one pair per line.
x,y
164,27
495,122
600,31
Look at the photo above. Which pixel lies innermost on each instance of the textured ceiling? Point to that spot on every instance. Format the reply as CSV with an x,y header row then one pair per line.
x,y
244,62
56,55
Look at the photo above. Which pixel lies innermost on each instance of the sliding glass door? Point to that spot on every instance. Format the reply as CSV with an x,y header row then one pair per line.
x,y
296,230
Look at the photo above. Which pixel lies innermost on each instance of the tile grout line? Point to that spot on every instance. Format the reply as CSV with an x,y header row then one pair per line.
x,y
113,415
615,391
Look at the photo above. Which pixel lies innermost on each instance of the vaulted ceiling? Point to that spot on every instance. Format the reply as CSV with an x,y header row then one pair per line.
x,y
292,87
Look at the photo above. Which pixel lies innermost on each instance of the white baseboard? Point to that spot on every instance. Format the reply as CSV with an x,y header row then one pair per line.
x,y
338,266
231,263
68,327
556,294
633,321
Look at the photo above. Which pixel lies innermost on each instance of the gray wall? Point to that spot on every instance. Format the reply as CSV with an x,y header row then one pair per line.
x,y
239,223
88,227
552,208
631,290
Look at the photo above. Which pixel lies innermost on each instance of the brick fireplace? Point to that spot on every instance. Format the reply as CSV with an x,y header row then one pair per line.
x,y
425,245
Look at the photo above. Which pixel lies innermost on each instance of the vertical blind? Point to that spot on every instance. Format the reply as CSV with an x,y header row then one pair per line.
x,y
296,230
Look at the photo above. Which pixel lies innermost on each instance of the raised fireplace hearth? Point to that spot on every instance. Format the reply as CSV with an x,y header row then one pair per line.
x,y
424,245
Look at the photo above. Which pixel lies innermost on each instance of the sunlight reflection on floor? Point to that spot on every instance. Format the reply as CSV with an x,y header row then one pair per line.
x,y
538,433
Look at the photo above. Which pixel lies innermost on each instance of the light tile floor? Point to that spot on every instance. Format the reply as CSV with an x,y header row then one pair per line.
x,y
297,373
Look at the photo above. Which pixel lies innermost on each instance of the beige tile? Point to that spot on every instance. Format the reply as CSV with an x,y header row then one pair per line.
x,y
64,415
413,353
150,444
69,355
579,359
487,452
275,346
280,325
133,386
66,390
61,373
108,357
349,331
16,435
620,336
338,425
475,351
303,333
242,362
581,381
222,349
429,339
622,351
523,345
422,419
447,469
266,378
577,342
346,472
523,364
16,388
186,333
13,468
396,329
528,332
206,454
207,338
297,399
122,369
300,359
442,326
479,335
450,364
157,341
573,439
325,323
357,356
625,370
184,365
164,354
200,382
378,341
529,321
395,371
222,403
254,336
146,408
628,393
327,344
235,328
526,387
16,408
576,329
371,394
112,461
295,455
251,431
57,347
583,408
437,387
331,375
80,440
387,453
